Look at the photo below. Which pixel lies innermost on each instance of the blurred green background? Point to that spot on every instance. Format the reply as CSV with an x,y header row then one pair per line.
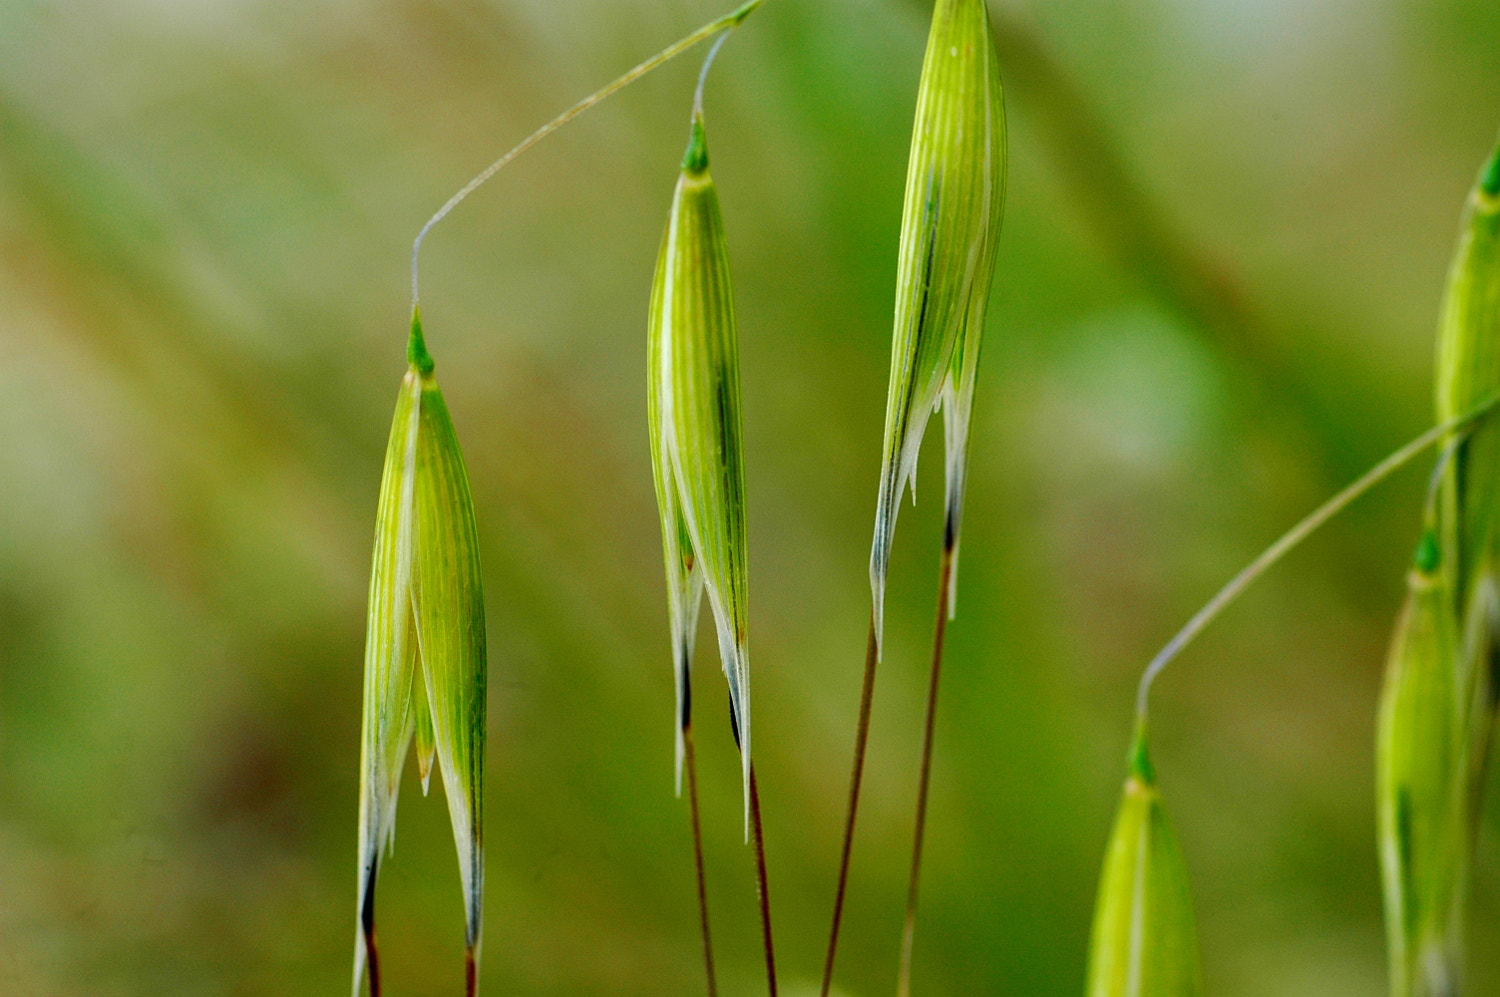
x,y
1226,235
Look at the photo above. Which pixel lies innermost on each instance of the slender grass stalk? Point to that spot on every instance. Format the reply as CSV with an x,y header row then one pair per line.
x,y
690,758
367,925
730,20
762,887
1247,576
940,630
861,738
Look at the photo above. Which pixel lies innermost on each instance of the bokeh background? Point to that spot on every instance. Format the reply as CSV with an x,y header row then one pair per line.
x,y
1226,236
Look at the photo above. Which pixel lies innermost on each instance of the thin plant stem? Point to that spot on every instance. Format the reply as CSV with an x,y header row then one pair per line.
x,y
761,886
940,630
471,974
861,737
689,756
1290,539
367,924
665,55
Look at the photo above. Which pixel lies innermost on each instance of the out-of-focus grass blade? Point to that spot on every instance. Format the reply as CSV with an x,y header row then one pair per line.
x,y
425,647
694,384
1145,938
955,191
1422,793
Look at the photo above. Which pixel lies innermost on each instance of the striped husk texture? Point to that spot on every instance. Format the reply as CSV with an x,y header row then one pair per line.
x,y
696,448
425,672
1423,786
1438,705
1145,939
955,192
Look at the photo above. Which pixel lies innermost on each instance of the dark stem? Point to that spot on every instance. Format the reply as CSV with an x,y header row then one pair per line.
x,y
690,758
945,580
861,736
367,923
471,974
760,883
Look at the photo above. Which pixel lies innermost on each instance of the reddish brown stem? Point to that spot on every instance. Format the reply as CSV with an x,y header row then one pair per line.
x,y
690,758
367,925
861,737
945,581
760,883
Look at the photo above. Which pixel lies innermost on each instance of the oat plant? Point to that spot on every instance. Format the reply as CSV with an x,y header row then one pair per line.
x,y
955,192
1143,935
697,460
424,651
1438,705
425,665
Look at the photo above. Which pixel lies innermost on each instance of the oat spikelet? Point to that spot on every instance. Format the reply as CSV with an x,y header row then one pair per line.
x,y
425,647
1145,939
695,422
955,191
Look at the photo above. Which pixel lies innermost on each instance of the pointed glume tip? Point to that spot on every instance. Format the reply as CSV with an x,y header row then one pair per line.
x,y
416,346
1429,554
695,160
1140,758
1490,183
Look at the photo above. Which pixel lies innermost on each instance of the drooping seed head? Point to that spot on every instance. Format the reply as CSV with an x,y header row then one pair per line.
x,y
1422,785
1437,706
955,191
425,671
1468,373
695,421
1145,938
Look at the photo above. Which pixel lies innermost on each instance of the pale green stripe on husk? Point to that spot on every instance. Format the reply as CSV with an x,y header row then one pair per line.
x,y
955,191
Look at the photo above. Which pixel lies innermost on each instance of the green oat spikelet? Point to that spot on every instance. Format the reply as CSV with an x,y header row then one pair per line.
x,y
1422,792
955,192
1438,704
695,425
425,646
1468,371
1145,939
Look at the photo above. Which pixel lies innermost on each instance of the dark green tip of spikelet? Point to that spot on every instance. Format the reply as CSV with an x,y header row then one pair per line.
x,y
695,160
1429,553
734,19
416,346
1489,181
1140,757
